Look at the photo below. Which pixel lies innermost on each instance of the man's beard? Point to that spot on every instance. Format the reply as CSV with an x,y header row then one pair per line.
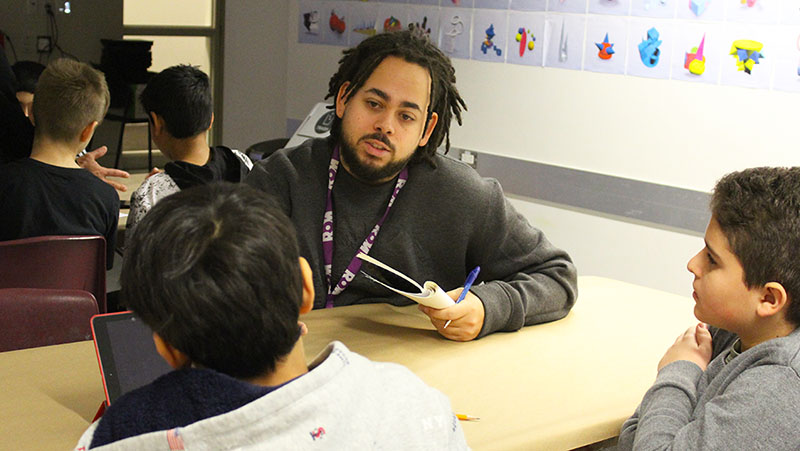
x,y
364,172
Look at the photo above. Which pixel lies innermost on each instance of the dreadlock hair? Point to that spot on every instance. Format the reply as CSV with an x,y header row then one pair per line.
x,y
413,46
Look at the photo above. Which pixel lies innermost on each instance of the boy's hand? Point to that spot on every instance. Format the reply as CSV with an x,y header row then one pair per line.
x,y
153,172
89,163
466,317
693,345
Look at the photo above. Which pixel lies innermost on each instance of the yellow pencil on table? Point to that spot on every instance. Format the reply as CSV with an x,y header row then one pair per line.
x,y
463,417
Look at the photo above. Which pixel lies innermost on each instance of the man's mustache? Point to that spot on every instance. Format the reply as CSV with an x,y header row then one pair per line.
x,y
379,137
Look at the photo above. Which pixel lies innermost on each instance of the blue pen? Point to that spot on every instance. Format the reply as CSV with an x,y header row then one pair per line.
x,y
467,285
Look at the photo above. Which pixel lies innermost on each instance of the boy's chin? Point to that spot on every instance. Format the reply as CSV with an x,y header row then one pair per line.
x,y
699,315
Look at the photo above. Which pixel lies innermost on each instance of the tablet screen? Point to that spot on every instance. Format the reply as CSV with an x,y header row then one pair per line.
x,y
126,352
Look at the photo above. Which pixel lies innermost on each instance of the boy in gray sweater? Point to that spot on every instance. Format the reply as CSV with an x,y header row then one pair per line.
x,y
731,382
214,270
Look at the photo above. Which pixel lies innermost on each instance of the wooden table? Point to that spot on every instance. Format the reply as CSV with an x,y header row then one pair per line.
x,y
552,386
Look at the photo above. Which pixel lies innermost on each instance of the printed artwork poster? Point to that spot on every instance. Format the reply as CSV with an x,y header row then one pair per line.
x,y
650,48
787,60
790,13
525,39
615,7
567,6
753,57
564,41
528,5
363,22
392,17
756,11
458,3
454,34
492,4
663,9
309,29
489,35
605,47
705,10
426,18
335,23
698,52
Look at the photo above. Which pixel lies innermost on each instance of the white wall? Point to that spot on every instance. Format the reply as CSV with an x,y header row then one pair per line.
x,y
608,247
255,60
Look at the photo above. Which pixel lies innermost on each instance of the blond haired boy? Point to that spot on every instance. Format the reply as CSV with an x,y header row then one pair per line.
x,y
48,193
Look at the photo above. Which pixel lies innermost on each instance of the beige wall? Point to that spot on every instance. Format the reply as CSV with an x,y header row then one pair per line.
x,y
255,77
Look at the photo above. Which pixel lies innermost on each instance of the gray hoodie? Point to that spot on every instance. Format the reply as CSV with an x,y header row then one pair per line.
x,y
751,402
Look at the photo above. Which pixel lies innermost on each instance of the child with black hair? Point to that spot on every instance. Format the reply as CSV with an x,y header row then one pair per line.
x,y
732,382
178,103
215,271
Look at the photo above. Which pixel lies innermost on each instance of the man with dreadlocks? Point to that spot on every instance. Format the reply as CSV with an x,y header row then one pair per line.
x,y
427,215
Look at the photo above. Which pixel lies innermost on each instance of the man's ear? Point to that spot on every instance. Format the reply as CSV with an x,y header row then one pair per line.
x,y
773,299
308,286
340,99
88,131
429,129
175,358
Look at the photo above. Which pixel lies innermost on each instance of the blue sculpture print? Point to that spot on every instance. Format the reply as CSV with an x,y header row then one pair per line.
x,y
648,48
487,44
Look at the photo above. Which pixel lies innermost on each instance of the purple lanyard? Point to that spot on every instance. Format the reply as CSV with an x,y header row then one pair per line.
x,y
327,231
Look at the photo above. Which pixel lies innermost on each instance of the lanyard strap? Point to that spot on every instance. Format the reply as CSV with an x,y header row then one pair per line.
x,y
327,231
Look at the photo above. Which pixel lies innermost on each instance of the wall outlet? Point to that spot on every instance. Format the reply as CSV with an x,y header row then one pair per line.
x,y
44,44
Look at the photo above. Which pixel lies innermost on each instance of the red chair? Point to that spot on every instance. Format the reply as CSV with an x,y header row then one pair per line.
x,y
60,262
31,317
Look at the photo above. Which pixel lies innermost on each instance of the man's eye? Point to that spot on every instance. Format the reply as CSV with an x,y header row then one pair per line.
x,y
407,118
372,104
710,258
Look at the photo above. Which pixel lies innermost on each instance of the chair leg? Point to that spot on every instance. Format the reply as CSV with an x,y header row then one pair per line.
x,y
119,144
149,150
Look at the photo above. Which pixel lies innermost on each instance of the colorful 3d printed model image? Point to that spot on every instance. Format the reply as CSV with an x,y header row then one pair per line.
x,y
337,23
695,62
749,3
562,43
747,54
606,50
392,24
698,7
311,22
648,48
487,43
451,35
524,42
366,28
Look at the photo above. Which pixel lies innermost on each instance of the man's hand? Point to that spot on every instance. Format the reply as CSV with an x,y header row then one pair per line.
x,y
466,317
89,162
693,345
